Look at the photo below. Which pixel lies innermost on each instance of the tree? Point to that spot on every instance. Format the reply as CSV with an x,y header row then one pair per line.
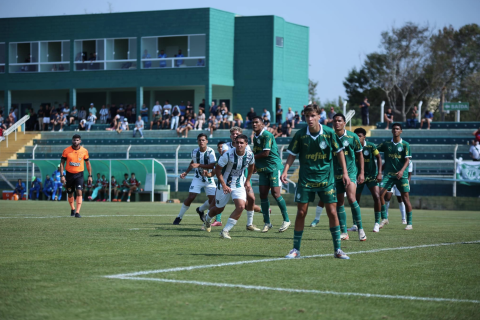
x,y
312,91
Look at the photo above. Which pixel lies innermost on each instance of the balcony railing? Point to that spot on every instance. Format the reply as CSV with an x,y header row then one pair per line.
x,y
175,62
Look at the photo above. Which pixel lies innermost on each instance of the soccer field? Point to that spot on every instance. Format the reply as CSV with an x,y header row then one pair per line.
x,y
127,261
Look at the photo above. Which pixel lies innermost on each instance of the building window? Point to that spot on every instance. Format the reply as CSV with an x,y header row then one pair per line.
x,y
2,57
23,57
121,54
54,56
185,51
279,42
89,54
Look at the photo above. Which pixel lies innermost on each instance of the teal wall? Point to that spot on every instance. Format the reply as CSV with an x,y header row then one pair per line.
x,y
221,47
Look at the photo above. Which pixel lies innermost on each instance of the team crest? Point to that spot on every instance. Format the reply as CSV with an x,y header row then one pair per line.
x,y
323,144
400,149
79,158
298,195
366,153
258,141
345,143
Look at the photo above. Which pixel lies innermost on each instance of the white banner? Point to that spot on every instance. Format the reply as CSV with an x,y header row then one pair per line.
x,y
468,170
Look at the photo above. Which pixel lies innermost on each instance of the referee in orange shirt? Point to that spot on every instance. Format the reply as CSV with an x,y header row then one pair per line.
x,y
75,156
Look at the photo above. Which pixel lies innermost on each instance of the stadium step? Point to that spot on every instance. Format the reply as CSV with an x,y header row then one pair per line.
x,y
16,147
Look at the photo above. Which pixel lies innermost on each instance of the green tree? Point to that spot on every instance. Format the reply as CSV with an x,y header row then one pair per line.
x,y
312,91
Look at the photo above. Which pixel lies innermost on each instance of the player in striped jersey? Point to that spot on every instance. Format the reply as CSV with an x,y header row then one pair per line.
x,y
203,158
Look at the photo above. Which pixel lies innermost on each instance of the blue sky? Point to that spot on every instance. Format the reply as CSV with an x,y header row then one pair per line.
x,y
341,32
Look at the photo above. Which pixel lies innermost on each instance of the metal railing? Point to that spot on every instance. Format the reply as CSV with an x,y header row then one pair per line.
x,y
14,128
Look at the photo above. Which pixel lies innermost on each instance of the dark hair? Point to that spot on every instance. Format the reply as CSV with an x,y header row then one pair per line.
x,y
220,143
202,135
312,108
257,117
132,173
340,115
126,174
360,130
242,136
397,124
76,136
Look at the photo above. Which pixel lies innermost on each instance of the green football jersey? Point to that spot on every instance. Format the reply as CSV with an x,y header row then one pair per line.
x,y
315,154
272,163
369,167
351,144
395,155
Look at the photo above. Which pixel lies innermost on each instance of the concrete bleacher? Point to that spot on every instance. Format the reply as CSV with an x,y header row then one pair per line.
x,y
438,125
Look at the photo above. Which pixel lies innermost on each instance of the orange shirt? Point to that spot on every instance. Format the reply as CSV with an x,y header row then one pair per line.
x,y
75,159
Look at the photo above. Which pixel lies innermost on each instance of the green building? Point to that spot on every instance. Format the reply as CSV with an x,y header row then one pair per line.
x,y
117,58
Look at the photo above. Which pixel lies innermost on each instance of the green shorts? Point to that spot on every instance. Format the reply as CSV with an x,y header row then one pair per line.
x,y
370,184
402,185
341,187
271,179
326,194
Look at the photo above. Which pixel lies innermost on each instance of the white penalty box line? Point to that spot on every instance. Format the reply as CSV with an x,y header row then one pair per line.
x,y
137,276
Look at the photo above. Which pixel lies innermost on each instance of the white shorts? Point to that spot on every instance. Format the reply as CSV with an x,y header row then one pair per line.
x,y
221,199
46,120
395,191
197,185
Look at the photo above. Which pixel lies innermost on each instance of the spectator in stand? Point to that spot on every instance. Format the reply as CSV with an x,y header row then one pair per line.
x,y
162,55
103,114
133,114
179,62
121,111
157,119
278,132
201,106
427,117
157,108
2,120
286,129
297,118
167,106
82,125
122,126
413,118
1,132
183,109
475,150
92,109
166,118
144,113
32,122
388,116
213,109
237,120
331,114
229,120
279,114
250,115
19,189
266,113
90,121
364,108
113,111
175,117
48,187
139,125
66,111
146,55
82,114
113,123
73,116
62,120
302,116
54,118
35,187
190,107
185,126
290,118
128,112
46,117
200,63
477,134
40,115
323,116
212,124
200,120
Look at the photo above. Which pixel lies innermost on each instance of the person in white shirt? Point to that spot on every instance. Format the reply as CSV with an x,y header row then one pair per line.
x,y
90,120
103,114
475,151
92,109
290,118
122,126
157,108
62,119
138,127
266,113
175,117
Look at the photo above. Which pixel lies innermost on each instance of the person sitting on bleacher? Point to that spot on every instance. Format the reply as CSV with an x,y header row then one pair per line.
x,y
36,186
122,125
113,123
388,116
90,120
48,187
19,189
427,117
413,120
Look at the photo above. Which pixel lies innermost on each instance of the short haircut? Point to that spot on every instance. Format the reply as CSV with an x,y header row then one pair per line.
x,y
312,108
126,174
242,136
133,173
233,129
397,124
360,130
220,143
340,115
257,117
76,136
202,135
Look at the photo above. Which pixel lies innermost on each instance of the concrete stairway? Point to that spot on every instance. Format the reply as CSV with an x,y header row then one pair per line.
x,y
14,147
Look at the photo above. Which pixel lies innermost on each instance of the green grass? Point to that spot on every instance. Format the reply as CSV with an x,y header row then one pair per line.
x,y
54,268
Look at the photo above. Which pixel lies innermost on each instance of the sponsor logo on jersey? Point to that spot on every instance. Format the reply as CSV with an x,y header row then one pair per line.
x,y
316,156
74,164
394,156
331,191
316,185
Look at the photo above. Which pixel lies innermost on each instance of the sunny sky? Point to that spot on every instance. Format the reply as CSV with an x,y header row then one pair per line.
x,y
341,32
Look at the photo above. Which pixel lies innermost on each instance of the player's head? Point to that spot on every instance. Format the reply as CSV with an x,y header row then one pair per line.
x,y
202,140
339,121
397,129
133,175
219,146
126,175
19,181
257,124
76,140
234,132
361,133
241,142
98,175
47,177
103,176
312,115
113,178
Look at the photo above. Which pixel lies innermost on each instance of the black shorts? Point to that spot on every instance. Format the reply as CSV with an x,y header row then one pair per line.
x,y
74,181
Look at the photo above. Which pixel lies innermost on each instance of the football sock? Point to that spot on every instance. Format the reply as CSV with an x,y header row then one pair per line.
x,y
128,197
204,206
401,206
79,203
384,213
318,212
387,206
265,204
297,239
409,218
342,218
182,211
283,208
335,231
70,201
377,217
218,217
249,218
208,218
357,216
230,224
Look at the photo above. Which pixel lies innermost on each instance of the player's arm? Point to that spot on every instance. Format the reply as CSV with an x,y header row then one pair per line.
x,y
263,154
203,166
379,165
361,174
291,158
343,164
218,173
405,166
190,167
89,169
251,168
409,177
62,165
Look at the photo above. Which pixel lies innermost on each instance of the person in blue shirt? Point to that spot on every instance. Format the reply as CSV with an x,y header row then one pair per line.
x,y
427,117
323,116
179,62
57,185
48,187
201,63
36,186
146,55
163,63
19,189
183,108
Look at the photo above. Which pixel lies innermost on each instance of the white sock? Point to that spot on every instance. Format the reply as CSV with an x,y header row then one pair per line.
x,y
230,224
208,218
250,218
182,211
318,212
387,205
204,206
401,206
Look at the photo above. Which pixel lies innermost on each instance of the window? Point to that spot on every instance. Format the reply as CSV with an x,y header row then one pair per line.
x,y
2,57
121,54
106,54
89,54
279,41
23,57
164,52
54,56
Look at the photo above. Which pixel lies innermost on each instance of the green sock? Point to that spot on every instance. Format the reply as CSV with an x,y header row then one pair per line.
x,y
265,204
297,239
342,218
283,208
218,217
409,218
377,217
335,231
357,215
128,197
384,212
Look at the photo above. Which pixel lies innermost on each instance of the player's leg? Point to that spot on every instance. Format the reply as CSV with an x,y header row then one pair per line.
x,y
221,200
318,212
78,185
401,207
385,196
70,186
239,201
404,187
264,189
341,214
186,204
250,206
54,192
356,212
377,206
60,187
334,225
130,190
276,187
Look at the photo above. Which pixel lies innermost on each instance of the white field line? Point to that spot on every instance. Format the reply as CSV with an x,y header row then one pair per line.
x,y
103,216
140,273
356,294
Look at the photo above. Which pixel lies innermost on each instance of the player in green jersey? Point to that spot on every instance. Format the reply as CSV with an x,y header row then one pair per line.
x,y
372,176
397,157
269,168
353,151
316,146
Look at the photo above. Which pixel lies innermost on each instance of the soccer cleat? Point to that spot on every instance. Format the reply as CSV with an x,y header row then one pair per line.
x,y
114,200
361,235
353,228
208,225
383,223
404,221
340,255
293,254
344,236
284,226
267,227
200,213
77,215
119,200
177,221
224,234
314,223
72,214
376,227
252,227
409,227
217,224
